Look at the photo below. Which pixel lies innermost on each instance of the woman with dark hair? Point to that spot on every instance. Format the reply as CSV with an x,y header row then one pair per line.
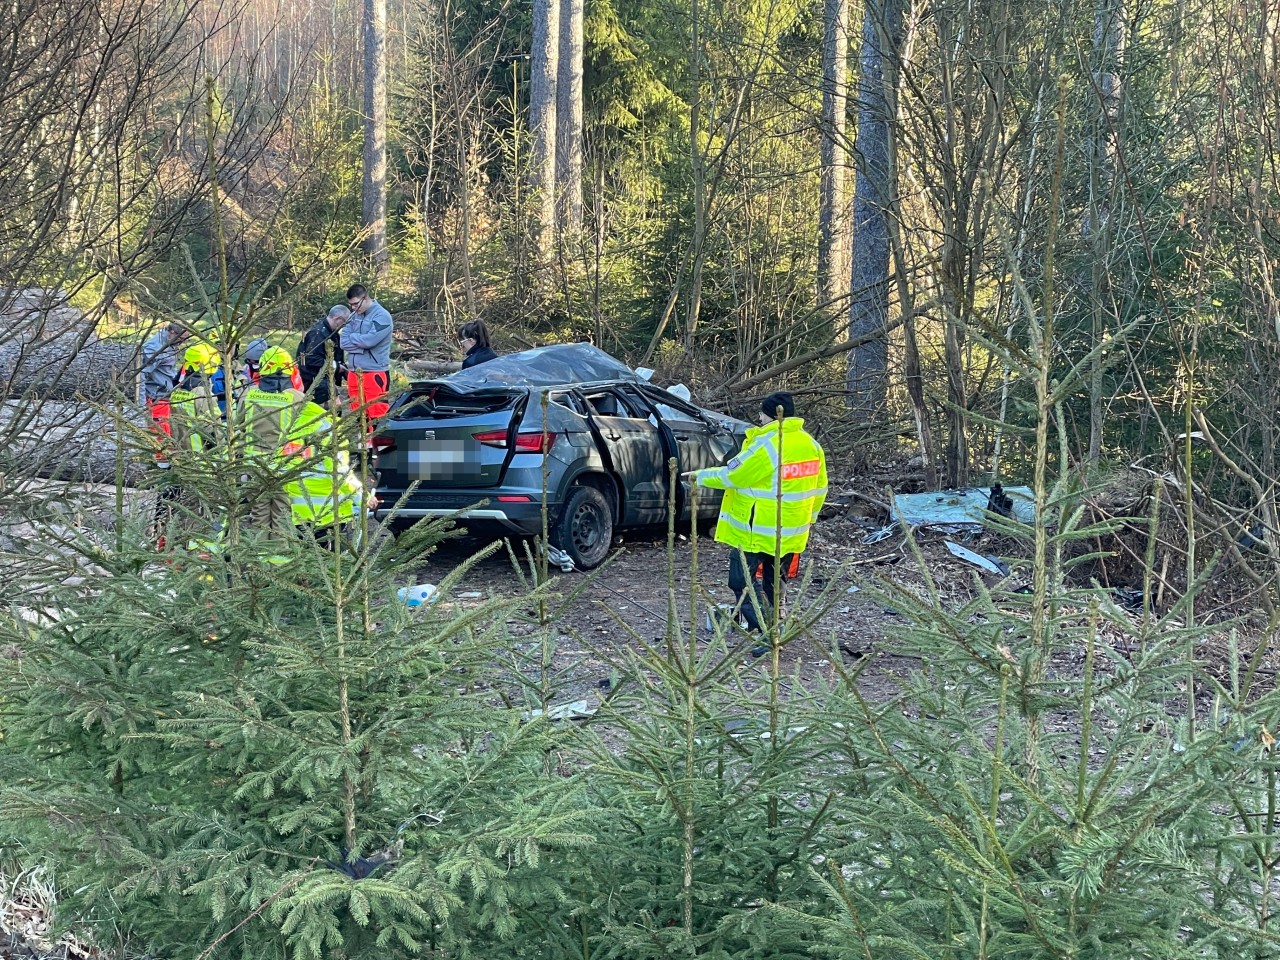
x,y
473,338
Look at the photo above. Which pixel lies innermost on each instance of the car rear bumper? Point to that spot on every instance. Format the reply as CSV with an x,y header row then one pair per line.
x,y
522,517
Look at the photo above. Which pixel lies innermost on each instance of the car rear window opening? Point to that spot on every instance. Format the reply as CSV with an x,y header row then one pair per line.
x,y
438,402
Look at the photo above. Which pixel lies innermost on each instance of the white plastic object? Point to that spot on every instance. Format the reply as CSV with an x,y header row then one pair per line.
x,y
720,613
681,391
644,373
559,558
417,595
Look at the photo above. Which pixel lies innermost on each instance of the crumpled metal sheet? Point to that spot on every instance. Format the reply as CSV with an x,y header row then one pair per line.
x,y
552,366
990,564
959,508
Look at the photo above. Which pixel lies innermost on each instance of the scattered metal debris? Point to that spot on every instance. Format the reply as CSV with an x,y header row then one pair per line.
x,y
961,508
575,710
990,564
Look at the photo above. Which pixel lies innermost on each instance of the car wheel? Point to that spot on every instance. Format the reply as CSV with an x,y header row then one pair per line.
x,y
584,529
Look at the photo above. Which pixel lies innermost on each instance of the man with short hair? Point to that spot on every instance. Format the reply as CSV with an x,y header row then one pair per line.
x,y
313,359
774,489
366,341
160,371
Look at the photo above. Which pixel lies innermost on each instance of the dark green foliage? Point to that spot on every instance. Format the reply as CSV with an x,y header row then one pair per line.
x,y
215,749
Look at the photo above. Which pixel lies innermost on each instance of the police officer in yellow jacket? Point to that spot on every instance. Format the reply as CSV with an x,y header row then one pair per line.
x,y
774,489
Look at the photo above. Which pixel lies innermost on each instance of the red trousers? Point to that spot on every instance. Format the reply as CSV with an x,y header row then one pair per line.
x,y
160,416
366,389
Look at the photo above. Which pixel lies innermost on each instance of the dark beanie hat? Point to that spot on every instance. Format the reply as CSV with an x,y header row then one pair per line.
x,y
779,399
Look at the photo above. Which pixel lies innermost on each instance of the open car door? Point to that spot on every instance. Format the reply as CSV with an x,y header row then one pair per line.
x,y
634,448
699,443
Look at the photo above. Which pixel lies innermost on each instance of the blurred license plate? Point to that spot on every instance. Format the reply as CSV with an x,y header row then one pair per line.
x,y
445,458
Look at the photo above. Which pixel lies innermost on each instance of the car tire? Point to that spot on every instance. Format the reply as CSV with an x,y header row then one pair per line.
x,y
584,529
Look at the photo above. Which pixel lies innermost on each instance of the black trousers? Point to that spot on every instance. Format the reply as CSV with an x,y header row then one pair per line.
x,y
743,568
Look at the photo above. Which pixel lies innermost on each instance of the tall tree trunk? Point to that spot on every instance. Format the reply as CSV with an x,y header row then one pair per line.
x,y
569,118
833,214
374,183
1107,86
867,371
698,172
544,69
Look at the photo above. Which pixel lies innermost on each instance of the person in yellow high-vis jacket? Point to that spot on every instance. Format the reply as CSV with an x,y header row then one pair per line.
x,y
193,433
774,489
291,436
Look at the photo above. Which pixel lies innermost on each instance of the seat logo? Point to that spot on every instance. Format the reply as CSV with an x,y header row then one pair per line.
x,y
428,434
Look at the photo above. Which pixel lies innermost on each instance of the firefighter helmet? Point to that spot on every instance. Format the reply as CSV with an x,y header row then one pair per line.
x,y
201,358
275,361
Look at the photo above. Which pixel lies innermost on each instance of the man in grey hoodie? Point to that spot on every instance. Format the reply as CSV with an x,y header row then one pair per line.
x,y
366,341
160,369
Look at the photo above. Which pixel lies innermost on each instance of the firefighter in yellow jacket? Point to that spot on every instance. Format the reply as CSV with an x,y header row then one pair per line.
x,y
193,429
290,440
193,408
774,489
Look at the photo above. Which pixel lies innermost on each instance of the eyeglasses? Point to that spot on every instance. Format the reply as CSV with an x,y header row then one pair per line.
x,y
466,339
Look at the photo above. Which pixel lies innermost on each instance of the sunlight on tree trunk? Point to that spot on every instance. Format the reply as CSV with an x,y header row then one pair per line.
x,y
867,372
543,94
374,182
569,118
833,212
1105,93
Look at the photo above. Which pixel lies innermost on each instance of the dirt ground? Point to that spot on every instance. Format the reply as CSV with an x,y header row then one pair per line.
x,y
625,603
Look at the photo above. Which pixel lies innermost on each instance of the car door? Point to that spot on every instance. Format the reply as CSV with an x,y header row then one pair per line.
x,y
699,444
635,450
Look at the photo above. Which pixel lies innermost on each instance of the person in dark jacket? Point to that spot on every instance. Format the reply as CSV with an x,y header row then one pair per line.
x,y
473,337
312,355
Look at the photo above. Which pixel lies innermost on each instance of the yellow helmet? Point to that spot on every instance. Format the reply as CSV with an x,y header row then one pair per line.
x,y
275,360
201,358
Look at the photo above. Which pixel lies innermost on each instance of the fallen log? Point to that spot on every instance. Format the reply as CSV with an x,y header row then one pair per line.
x,y
65,440
50,349
433,366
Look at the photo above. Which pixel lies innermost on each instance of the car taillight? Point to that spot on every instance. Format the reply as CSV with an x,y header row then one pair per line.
x,y
535,442
382,444
530,442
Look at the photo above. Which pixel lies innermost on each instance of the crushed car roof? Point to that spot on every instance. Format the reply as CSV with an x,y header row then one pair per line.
x,y
552,366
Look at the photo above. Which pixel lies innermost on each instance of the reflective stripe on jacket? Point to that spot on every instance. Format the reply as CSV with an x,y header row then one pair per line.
x,y
193,415
780,451
326,492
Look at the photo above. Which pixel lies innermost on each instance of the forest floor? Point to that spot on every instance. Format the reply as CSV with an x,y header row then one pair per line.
x,y
623,605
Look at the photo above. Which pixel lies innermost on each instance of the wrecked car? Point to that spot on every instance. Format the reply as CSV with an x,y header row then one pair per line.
x,y
568,419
